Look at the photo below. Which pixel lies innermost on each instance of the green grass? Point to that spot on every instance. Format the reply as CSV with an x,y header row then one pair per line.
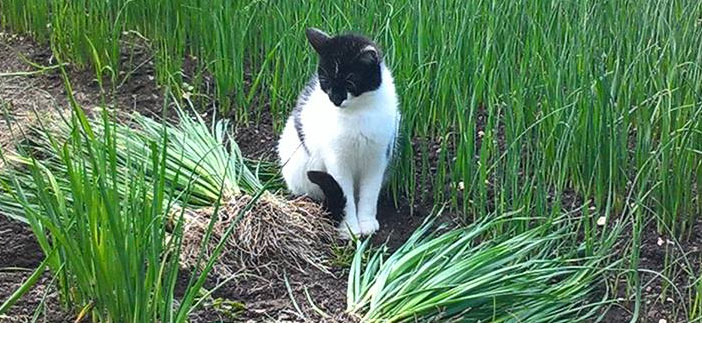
x,y
109,248
564,83
107,206
478,274
600,100
201,157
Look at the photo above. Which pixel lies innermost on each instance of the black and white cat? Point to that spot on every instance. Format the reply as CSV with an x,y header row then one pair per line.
x,y
340,137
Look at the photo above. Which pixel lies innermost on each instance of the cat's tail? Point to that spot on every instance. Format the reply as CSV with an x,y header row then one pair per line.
x,y
334,198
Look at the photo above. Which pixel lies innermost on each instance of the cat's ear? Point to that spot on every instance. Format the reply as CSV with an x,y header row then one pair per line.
x,y
317,38
369,56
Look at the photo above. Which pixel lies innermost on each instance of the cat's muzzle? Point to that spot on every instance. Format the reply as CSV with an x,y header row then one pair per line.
x,y
337,98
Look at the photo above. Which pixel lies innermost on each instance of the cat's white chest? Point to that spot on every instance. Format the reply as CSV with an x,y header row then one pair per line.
x,y
353,129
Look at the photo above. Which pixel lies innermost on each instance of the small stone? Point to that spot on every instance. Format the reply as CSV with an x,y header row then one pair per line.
x,y
601,221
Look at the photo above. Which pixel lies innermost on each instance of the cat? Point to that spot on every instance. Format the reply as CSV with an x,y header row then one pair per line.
x,y
341,135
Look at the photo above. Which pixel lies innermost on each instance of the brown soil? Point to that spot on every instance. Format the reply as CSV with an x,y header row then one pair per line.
x,y
19,256
664,288
252,298
258,141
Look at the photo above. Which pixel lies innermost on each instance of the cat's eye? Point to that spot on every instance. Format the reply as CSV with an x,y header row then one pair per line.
x,y
324,83
350,84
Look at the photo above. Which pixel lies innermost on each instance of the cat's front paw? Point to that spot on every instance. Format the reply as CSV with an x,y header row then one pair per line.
x,y
368,226
350,229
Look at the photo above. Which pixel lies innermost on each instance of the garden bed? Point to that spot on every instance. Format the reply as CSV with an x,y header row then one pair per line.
x,y
262,299
310,296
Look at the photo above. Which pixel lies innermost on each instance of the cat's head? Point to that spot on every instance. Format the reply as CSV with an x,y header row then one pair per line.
x,y
349,65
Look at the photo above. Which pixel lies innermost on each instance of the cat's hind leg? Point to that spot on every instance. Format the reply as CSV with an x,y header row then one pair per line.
x,y
296,161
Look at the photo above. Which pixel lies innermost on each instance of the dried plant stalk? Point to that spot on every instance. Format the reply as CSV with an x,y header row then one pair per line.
x,y
275,234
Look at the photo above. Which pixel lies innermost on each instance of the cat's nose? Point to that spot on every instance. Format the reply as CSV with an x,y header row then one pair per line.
x,y
337,98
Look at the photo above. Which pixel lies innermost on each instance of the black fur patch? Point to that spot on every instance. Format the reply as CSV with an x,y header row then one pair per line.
x,y
301,101
300,134
388,151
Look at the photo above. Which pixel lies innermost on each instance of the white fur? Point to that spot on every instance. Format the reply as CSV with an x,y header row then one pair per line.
x,y
350,143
